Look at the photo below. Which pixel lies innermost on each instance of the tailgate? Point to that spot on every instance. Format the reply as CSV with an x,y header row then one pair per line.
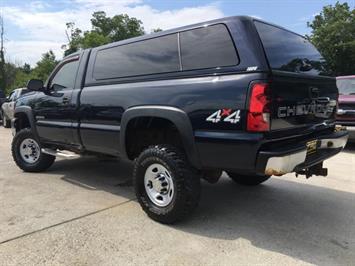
x,y
302,101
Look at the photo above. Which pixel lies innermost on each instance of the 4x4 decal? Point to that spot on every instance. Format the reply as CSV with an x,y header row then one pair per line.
x,y
224,115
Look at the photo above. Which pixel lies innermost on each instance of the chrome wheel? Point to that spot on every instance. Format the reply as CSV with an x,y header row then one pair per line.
x,y
159,185
30,151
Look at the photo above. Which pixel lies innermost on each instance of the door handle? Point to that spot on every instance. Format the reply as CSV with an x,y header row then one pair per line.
x,y
65,100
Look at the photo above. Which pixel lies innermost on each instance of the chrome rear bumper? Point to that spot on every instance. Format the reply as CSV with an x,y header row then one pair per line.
x,y
298,159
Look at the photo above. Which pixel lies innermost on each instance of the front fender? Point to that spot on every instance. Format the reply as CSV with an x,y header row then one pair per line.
x,y
28,113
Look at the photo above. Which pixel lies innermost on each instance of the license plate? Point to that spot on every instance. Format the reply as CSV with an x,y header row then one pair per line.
x,y
311,146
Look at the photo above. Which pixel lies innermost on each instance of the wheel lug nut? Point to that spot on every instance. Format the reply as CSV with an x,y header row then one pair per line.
x,y
150,184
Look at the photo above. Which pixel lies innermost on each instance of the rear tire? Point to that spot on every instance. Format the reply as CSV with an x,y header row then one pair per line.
x,y
248,180
27,154
167,188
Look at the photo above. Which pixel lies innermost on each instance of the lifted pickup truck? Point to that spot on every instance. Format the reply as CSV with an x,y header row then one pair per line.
x,y
236,94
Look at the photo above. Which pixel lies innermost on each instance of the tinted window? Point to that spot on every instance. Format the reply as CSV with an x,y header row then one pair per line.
x,y
346,86
288,51
65,77
24,91
151,56
207,47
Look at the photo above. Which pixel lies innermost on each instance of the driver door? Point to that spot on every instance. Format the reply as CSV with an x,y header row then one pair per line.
x,y
55,108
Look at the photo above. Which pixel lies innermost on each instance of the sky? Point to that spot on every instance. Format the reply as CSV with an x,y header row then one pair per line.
x,y
32,27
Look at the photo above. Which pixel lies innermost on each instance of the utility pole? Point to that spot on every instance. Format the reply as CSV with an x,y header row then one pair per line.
x,y
2,56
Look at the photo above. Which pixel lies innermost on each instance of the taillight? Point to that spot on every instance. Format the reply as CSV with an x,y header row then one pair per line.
x,y
259,112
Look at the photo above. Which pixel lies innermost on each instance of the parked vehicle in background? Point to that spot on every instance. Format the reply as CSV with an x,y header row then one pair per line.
x,y
346,105
8,107
2,100
236,94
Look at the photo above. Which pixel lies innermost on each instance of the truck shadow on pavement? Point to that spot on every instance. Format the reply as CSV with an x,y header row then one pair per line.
x,y
108,175
304,221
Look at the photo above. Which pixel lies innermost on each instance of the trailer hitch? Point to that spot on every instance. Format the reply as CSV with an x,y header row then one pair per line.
x,y
313,170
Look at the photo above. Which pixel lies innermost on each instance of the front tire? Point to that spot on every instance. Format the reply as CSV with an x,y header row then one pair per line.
x,y
167,188
248,180
26,151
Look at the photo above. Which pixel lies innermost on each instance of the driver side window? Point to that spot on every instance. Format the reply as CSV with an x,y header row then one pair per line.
x,y
65,76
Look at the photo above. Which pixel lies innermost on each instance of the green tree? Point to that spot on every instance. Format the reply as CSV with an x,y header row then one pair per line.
x,y
21,78
44,66
10,73
26,68
3,75
74,38
18,76
104,30
93,39
333,33
156,30
117,28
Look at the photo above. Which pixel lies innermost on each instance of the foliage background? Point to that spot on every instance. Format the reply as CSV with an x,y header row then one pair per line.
x,y
104,30
333,33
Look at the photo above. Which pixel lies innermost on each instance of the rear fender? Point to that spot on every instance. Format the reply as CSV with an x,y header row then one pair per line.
x,y
178,117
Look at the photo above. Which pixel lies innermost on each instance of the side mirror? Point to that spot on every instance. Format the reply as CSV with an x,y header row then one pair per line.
x,y
35,85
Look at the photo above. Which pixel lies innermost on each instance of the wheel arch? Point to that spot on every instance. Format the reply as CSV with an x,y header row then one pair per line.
x,y
23,118
176,116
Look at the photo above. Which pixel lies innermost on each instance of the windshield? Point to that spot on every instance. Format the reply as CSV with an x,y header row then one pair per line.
x,y
346,86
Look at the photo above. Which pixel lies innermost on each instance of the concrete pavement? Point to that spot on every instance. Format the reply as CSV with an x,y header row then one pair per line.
x,y
83,212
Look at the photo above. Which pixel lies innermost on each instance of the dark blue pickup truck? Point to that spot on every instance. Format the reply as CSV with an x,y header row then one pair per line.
x,y
236,94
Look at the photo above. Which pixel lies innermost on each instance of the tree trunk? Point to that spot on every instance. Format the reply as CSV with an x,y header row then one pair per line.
x,y
2,56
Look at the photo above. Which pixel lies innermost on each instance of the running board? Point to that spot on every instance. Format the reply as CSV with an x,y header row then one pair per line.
x,y
61,154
